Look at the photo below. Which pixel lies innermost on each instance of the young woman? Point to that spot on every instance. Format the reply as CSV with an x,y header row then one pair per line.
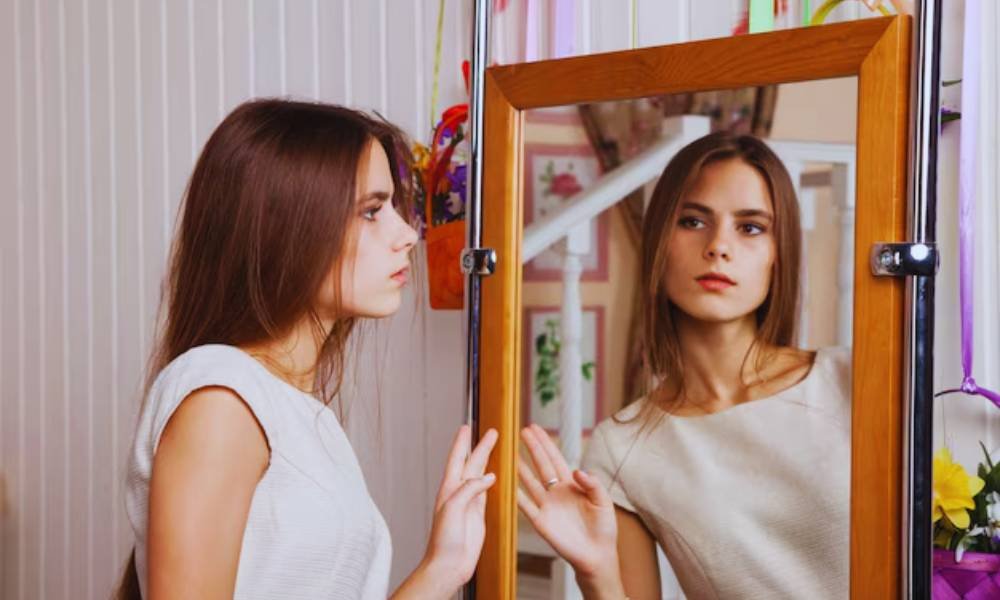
x,y
241,482
736,462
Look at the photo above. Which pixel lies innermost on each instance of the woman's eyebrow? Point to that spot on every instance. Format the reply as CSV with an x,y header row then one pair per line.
x,y
697,207
753,212
380,196
746,212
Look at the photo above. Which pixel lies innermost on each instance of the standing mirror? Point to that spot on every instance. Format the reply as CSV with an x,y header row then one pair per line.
x,y
582,323
806,470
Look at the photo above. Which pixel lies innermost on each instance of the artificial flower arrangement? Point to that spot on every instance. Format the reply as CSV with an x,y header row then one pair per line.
x,y
966,516
966,509
439,173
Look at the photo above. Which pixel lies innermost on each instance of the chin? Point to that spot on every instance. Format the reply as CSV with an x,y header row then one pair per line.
x,y
380,312
389,306
376,306
714,312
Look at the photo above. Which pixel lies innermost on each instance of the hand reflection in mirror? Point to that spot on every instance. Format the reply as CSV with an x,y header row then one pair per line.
x,y
736,459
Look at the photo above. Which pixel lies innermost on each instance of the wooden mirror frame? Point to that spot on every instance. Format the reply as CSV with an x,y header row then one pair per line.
x,y
877,51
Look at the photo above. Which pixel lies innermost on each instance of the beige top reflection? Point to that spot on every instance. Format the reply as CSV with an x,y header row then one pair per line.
x,y
723,493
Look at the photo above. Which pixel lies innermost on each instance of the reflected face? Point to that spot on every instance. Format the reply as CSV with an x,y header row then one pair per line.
x,y
721,253
376,266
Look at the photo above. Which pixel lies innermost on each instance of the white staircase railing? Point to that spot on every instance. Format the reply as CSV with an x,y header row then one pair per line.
x,y
613,186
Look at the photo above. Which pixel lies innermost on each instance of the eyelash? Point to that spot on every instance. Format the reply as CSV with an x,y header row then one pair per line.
x,y
689,222
369,213
693,223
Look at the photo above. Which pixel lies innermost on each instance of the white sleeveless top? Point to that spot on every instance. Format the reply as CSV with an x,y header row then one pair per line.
x,y
749,502
313,531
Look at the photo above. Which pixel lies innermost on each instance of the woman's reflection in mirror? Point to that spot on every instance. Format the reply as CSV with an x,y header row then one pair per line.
x,y
736,459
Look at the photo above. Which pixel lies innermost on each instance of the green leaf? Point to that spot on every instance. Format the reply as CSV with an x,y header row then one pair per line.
x,y
992,481
989,461
540,342
942,536
588,370
547,396
978,514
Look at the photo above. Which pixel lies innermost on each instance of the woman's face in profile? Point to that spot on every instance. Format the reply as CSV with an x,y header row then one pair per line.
x,y
721,252
376,265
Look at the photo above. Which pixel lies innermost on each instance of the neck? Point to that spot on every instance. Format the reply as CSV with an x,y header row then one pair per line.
x,y
718,366
293,357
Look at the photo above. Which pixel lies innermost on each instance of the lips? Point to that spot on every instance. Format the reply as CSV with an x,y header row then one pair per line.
x,y
715,282
402,275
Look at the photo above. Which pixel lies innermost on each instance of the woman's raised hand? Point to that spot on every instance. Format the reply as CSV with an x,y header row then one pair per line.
x,y
571,510
459,526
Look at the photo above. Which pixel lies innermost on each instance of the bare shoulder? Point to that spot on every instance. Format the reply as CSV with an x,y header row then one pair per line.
x,y
206,468
213,426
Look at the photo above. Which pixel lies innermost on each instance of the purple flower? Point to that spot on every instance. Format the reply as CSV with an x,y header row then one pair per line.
x,y
457,181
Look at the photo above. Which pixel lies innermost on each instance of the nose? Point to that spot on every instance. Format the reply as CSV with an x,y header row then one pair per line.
x,y
406,237
718,247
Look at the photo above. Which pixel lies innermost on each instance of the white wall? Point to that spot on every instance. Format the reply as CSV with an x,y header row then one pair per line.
x,y
961,422
103,108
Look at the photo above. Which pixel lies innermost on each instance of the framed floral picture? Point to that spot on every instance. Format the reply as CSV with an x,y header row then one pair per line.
x,y
542,345
553,174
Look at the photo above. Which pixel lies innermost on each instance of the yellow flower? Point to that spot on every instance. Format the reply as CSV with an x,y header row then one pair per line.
x,y
421,156
953,490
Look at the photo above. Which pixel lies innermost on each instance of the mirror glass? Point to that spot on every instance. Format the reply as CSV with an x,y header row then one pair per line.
x,y
711,394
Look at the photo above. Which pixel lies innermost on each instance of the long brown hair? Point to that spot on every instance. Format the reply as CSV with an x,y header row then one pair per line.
x,y
776,317
266,216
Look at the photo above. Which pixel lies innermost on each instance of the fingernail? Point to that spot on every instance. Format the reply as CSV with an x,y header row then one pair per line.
x,y
489,477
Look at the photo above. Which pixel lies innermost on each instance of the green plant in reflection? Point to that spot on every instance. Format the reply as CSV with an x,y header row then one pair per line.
x,y
547,345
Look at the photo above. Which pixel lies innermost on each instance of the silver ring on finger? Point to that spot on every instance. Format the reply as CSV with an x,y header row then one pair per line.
x,y
551,482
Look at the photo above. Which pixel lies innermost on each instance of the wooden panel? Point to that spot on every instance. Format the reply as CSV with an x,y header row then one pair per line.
x,y
52,396
101,273
659,23
877,439
9,290
300,36
267,36
237,49
78,134
611,26
876,50
780,56
124,155
30,432
501,329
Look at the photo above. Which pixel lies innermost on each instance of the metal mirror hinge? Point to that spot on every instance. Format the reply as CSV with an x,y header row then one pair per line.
x,y
479,261
904,259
